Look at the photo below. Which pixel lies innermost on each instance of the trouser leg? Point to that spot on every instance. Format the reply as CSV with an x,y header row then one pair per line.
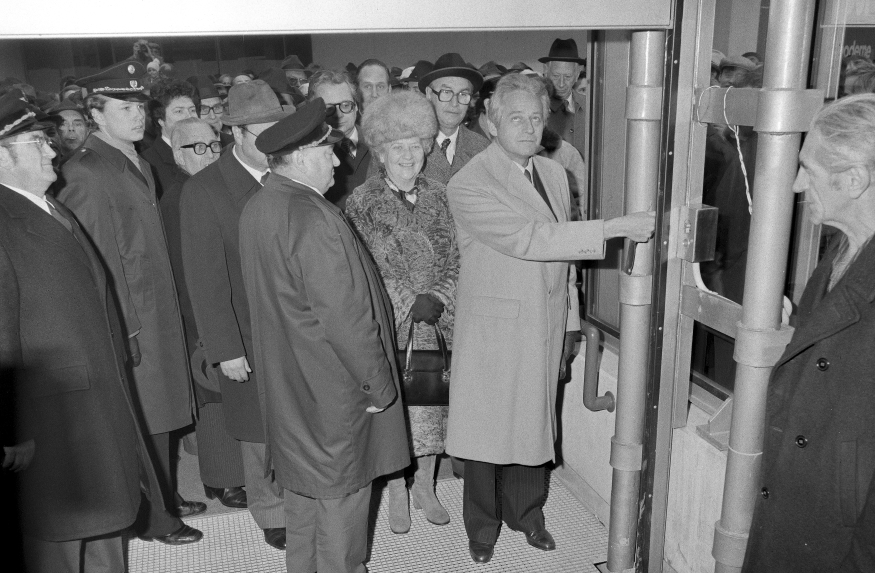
x,y
263,495
300,517
219,455
523,495
480,510
342,532
159,444
157,516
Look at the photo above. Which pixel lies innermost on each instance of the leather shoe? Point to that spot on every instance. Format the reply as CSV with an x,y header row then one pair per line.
x,y
183,535
481,552
276,537
541,539
189,508
228,496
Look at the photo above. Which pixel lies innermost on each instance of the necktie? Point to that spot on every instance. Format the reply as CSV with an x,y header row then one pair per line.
x,y
348,146
60,218
539,187
445,146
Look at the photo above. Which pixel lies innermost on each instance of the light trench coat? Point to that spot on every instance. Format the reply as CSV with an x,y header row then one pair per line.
x,y
516,298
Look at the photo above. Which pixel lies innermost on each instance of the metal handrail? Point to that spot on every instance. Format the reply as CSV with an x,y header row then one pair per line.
x,y
591,398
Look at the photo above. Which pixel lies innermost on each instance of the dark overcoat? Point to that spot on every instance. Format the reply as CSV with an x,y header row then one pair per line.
x,y
352,172
164,168
815,511
571,127
210,207
116,206
468,145
61,349
322,328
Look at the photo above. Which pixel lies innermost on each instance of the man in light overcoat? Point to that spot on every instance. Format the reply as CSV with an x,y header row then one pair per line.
x,y
516,300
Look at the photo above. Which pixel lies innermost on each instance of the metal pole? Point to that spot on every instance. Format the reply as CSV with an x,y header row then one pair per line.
x,y
760,338
643,115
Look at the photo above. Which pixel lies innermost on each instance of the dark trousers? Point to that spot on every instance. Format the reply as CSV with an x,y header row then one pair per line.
x,y
519,503
158,517
96,555
218,454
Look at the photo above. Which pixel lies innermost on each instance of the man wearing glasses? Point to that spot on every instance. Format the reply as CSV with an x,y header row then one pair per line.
x,y
210,207
450,87
209,106
337,90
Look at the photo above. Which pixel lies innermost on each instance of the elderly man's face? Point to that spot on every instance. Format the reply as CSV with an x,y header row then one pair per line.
x,y
187,158
296,78
244,142
563,75
121,119
319,164
520,126
27,157
178,109
72,130
731,77
241,79
827,202
209,113
373,83
450,114
335,94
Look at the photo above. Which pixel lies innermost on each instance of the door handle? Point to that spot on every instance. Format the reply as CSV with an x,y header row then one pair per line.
x,y
591,398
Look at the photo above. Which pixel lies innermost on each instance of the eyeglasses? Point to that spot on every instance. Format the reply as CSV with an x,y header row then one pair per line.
x,y
39,141
217,109
200,147
297,82
464,98
345,106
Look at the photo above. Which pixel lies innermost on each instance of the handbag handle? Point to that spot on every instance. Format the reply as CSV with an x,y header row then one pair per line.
x,y
442,346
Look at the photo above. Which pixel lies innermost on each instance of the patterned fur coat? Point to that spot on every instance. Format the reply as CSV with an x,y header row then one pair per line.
x,y
416,253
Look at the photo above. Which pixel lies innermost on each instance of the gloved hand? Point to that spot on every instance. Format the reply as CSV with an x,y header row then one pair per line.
x,y
426,309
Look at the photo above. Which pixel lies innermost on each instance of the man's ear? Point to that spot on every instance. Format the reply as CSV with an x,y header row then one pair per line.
x,y
856,180
98,118
237,132
178,158
6,159
493,129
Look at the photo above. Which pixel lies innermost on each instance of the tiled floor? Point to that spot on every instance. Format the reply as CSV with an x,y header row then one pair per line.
x,y
233,543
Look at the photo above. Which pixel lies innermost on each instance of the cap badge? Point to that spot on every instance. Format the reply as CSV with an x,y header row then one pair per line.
x,y
131,70
133,83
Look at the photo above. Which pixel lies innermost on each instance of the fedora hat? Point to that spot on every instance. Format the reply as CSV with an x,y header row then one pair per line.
x,y
563,51
303,129
451,65
204,86
292,63
253,102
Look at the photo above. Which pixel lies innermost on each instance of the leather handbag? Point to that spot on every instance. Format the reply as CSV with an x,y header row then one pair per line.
x,y
425,374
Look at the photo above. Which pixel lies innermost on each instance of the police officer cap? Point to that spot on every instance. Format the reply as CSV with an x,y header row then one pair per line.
x,y
119,81
303,129
17,116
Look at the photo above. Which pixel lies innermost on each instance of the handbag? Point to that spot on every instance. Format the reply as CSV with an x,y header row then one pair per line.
x,y
425,374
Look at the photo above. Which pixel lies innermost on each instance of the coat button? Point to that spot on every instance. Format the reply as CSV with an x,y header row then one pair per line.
x,y
822,364
801,441
765,493
366,387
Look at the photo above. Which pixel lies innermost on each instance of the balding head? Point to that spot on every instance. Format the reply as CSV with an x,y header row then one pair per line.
x,y
193,131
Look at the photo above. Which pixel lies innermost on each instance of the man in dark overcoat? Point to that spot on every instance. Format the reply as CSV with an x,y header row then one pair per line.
x,y
72,445
815,510
210,207
324,350
111,191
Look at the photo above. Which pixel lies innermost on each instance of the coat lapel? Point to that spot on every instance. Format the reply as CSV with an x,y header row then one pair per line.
x,y
239,182
553,188
511,178
85,247
831,312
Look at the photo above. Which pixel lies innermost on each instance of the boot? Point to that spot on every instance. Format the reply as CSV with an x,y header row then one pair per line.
x,y
399,505
423,492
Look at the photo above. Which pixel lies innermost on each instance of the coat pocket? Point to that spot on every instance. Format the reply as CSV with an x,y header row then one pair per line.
x,y
856,469
496,307
44,383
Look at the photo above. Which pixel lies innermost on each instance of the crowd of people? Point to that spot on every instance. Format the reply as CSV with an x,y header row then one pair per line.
x,y
236,261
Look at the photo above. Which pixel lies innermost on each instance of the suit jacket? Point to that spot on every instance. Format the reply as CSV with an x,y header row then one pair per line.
x,y
352,172
819,453
62,360
115,203
468,145
322,328
570,126
164,168
515,299
210,207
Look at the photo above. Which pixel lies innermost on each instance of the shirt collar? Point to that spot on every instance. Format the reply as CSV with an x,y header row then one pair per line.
x,y
354,136
453,138
254,172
